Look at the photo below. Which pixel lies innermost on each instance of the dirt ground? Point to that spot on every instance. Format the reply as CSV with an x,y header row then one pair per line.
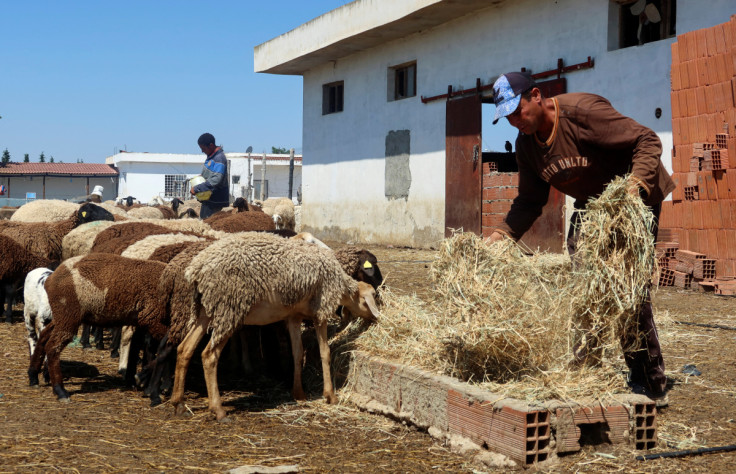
x,y
109,428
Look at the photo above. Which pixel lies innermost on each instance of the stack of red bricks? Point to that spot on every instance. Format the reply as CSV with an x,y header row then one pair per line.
x,y
701,218
499,191
685,269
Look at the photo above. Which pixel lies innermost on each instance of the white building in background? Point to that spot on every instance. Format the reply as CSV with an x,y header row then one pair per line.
x,y
147,175
378,145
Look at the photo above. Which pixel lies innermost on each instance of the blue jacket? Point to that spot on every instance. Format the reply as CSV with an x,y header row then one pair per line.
x,y
214,172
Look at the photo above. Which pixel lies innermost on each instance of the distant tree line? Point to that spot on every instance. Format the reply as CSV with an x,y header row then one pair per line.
x,y
27,159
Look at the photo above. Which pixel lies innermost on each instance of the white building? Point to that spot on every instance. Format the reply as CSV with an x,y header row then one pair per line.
x,y
147,175
385,146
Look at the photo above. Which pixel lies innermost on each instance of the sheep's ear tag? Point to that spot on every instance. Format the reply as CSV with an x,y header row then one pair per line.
x,y
84,214
367,265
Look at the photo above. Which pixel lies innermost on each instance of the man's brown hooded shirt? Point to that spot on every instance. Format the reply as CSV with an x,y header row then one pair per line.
x,y
591,143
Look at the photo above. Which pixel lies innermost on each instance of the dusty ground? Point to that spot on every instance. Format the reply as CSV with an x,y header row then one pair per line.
x,y
107,428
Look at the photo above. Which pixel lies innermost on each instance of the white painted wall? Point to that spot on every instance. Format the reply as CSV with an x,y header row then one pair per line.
x,y
344,173
57,187
142,175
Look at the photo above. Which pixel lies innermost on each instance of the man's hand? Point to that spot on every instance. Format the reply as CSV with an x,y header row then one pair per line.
x,y
191,191
494,237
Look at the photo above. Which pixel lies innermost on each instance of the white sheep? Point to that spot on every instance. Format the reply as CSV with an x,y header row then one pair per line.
x,y
36,308
44,210
258,279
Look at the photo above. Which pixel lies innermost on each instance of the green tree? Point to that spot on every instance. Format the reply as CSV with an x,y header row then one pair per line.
x,y
6,156
281,151
42,158
51,160
26,158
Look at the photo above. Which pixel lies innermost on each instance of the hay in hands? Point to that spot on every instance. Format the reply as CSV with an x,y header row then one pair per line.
x,y
508,321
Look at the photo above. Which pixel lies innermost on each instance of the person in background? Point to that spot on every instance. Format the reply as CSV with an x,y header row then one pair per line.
x,y
96,195
577,143
214,173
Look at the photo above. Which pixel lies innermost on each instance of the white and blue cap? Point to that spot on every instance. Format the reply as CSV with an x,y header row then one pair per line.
x,y
507,92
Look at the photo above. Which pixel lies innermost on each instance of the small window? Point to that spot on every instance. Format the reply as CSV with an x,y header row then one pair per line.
x,y
257,189
402,81
637,22
175,185
332,97
236,179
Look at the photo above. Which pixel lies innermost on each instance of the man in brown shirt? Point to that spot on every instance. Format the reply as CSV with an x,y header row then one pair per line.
x,y
578,143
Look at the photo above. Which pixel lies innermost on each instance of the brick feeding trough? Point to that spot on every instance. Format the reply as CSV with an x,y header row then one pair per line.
x,y
527,433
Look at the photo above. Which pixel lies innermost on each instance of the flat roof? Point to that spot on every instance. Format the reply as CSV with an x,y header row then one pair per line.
x,y
357,26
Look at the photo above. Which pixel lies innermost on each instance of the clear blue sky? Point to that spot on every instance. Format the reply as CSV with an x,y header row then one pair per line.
x,y
82,79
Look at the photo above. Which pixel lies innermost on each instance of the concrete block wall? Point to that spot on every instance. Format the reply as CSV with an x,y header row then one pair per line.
x,y
701,217
527,433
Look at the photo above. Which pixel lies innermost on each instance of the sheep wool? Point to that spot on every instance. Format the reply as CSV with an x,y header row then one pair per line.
x,y
248,221
44,210
40,238
141,212
80,239
114,209
144,248
237,272
115,239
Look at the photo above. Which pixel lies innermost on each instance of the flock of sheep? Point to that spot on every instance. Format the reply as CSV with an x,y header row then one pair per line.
x,y
171,279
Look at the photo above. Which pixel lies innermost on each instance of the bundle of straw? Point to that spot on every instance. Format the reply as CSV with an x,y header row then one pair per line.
x,y
505,320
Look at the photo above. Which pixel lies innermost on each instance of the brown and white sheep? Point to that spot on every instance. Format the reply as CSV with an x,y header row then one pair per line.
x,y
102,290
257,279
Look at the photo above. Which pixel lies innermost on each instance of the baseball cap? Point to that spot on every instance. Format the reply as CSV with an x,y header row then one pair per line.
x,y
507,92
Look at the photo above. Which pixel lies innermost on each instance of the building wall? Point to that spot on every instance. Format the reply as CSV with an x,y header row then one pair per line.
x,y
142,175
57,187
345,178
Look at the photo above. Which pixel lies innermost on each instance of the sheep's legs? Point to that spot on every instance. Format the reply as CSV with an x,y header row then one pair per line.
x,y
297,350
126,335
183,355
50,344
324,352
210,358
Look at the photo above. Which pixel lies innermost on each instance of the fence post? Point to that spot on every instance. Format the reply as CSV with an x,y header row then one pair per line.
x,y
291,172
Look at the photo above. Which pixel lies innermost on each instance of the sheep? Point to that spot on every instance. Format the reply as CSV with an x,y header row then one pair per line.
x,y
15,264
101,290
143,211
182,211
129,201
36,244
257,279
79,241
360,264
243,222
116,210
36,308
44,239
283,215
44,210
143,249
116,239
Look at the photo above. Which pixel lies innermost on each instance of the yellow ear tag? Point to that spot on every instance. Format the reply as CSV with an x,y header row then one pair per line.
x,y
84,213
367,265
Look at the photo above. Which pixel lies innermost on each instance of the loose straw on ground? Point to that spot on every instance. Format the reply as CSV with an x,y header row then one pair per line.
x,y
508,321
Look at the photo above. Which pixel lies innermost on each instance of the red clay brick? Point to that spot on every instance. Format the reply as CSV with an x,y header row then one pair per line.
x,y
675,103
700,105
722,244
731,177
692,126
710,41
725,212
702,185
693,240
699,217
731,239
704,74
710,98
715,210
701,43
687,214
712,242
710,182
675,51
721,184
491,194
492,180
677,208
666,215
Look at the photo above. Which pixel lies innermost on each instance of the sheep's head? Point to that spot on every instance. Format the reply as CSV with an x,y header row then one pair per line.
x,y
362,302
89,212
278,221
